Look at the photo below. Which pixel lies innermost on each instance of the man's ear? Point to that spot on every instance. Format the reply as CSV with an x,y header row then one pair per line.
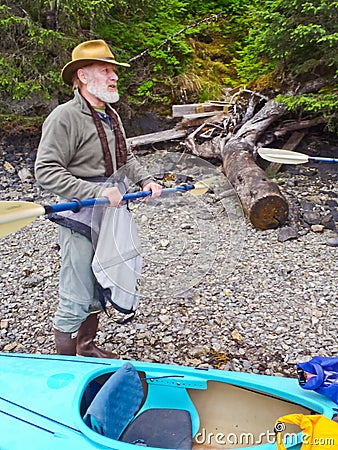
x,y
81,74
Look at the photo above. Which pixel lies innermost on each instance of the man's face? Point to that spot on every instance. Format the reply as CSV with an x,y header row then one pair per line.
x,y
102,82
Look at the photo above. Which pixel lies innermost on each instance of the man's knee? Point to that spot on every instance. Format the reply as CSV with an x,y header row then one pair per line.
x,y
70,315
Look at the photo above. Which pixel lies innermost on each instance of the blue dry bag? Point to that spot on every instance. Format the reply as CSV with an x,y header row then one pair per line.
x,y
320,375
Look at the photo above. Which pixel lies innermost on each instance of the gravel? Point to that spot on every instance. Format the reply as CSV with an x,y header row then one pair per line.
x,y
215,293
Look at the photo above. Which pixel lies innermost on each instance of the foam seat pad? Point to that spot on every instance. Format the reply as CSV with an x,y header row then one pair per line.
x,y
163,428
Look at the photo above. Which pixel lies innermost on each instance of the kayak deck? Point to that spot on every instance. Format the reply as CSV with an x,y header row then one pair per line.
x,y
43,400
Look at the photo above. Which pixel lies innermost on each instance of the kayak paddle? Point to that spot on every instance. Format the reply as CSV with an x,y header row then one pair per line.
x,y
282,156
16,214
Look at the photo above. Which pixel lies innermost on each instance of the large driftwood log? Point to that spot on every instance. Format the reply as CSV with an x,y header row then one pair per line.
x,y
261,199
232,138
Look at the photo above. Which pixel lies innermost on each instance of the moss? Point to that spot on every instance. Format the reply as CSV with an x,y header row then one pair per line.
x,y
213,64
209,71
266,81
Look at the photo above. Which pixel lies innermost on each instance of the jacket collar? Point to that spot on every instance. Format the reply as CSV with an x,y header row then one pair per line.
x,y
82,102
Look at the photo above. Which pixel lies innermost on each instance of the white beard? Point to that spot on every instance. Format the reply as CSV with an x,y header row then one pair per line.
x,y
102,93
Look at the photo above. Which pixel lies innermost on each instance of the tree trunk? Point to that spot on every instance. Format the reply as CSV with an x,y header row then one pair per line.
x,y
261,199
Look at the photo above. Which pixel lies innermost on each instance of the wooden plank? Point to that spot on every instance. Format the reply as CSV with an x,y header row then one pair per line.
x,y
180,110
160,136
220,103
195,108
199,115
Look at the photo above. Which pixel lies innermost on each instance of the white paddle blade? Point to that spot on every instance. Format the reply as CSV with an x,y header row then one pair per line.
x,y
281,156
15,215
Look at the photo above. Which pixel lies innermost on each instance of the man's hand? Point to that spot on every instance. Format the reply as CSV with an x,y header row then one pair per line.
x,y
114,196
155,188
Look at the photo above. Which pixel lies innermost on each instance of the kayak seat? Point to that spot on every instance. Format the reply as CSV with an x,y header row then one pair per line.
x,y
160,428
167,418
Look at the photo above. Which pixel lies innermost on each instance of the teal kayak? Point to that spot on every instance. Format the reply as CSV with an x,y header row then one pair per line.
x,y
53,402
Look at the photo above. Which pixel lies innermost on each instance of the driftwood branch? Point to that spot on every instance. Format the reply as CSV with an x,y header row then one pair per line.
x,y
251,130
293,126
160,136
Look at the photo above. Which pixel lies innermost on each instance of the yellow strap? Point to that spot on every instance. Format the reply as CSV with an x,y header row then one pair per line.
x,y
303,422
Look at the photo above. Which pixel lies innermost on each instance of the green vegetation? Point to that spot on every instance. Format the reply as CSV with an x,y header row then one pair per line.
x,y
180,50
293,47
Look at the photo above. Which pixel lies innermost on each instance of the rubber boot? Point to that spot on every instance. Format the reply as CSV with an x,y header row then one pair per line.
x,y
85,339
64,343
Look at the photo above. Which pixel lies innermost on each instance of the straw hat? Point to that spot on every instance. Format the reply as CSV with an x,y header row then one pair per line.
x,y
87,53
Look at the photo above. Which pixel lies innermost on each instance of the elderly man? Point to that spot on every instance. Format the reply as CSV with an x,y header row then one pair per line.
x,y
82,145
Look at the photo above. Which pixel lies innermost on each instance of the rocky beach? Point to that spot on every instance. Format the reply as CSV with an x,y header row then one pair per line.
x,y
215,291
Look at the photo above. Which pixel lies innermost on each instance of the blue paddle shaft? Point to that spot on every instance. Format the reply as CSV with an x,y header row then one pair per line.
x,y
182,188
328,160
76,205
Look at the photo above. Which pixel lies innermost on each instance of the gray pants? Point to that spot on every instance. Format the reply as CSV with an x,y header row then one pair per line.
x,y
78,295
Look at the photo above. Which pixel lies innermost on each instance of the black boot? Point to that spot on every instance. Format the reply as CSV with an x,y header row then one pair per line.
x,y
65,344
85,339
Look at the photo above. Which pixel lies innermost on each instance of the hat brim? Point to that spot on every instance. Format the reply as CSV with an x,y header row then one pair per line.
x,y
70,68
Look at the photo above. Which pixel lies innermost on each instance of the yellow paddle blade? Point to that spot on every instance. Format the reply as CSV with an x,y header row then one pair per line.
x,y
15,215
201,187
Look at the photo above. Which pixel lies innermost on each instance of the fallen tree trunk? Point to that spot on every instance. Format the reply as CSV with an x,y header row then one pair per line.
x,y
261,199
232,137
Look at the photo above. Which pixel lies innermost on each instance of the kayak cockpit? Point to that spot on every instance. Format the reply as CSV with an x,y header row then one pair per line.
x,y
133,409
181,411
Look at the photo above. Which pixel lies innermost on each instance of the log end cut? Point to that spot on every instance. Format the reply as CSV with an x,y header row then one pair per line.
x,y
269,212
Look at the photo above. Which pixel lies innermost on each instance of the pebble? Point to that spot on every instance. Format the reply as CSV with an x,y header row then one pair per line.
x,y
215,291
